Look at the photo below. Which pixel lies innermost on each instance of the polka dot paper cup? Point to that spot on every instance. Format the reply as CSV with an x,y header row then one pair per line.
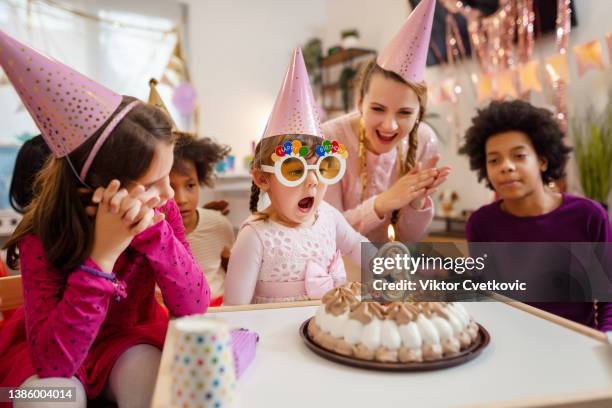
x,y
202,367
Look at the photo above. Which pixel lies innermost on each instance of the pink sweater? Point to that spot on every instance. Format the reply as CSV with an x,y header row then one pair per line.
x,y
383,171
67,314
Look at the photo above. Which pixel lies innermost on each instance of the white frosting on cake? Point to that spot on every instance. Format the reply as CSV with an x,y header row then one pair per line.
x,y
428,330
390,337
332,324
461,312
443,327
370,337
337,324
411,336
454,320
353,331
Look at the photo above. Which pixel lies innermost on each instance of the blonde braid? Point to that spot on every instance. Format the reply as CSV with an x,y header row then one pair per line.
x,y
410,160
363,173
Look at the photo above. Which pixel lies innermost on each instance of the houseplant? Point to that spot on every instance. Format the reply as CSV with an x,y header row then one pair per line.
x,y
350,38
313,52
593,142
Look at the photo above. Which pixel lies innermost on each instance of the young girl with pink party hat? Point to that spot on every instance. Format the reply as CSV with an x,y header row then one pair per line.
x,y
90,319
292,249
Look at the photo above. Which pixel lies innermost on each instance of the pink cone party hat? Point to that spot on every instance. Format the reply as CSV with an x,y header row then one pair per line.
x,y
295,110
156,100
406,54
68,108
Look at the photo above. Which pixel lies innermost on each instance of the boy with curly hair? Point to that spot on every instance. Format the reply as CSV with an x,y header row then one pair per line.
x,y
209,232
518,149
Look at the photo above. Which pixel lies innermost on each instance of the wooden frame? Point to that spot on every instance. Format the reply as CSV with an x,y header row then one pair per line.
x,y
11,292
263,306
561,321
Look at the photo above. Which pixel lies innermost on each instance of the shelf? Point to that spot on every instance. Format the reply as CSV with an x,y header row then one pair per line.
x,y
334,109
235,175
451,219
344,56
331,87
336,86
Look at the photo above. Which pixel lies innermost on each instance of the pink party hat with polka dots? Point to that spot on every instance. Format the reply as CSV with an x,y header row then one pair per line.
x,y
406,54
68,108
295,110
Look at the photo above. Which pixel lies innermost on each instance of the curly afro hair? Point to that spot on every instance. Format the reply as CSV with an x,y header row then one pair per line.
x,y
203,152
537,123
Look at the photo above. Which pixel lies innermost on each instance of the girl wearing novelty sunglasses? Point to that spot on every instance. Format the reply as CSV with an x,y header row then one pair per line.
x,y
292,250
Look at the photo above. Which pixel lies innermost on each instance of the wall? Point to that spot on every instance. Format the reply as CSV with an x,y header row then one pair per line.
x,y
239,53
377,21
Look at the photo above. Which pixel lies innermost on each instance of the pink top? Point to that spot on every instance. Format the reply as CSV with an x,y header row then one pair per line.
x,y
383,171
67,314
271,262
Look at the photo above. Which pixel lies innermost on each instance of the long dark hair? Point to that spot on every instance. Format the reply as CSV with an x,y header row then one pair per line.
x,y
57,212
31,158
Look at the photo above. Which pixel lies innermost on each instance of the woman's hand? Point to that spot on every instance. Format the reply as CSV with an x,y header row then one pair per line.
x,y
406,189
441,177
119,217
412,188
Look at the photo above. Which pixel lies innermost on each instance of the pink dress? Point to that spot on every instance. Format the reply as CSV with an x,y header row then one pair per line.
x,y
271,262
80,324
383,171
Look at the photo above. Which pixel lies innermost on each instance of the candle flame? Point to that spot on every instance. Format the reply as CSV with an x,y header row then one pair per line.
x,y
391,232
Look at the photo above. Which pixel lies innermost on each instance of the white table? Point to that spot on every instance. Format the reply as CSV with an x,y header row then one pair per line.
x,y
529,361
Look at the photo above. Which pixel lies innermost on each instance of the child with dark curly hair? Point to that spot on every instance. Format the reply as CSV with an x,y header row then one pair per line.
x,y
209,232
518,149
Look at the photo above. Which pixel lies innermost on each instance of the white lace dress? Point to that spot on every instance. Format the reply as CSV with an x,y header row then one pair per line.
x,y
271,262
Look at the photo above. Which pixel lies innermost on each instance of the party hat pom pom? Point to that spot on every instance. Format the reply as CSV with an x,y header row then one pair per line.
x,y
296,146
320,150
334,146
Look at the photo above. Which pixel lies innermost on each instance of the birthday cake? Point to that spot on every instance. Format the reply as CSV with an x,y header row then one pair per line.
x,y
399,332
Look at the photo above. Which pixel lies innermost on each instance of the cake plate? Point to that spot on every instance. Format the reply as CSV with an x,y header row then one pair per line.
x,y
464,356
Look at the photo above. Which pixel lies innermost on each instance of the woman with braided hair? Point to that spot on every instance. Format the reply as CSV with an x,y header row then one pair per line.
x,y
391,166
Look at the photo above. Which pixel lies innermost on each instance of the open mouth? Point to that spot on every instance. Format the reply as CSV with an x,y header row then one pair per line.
x,y
386,138
305,204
